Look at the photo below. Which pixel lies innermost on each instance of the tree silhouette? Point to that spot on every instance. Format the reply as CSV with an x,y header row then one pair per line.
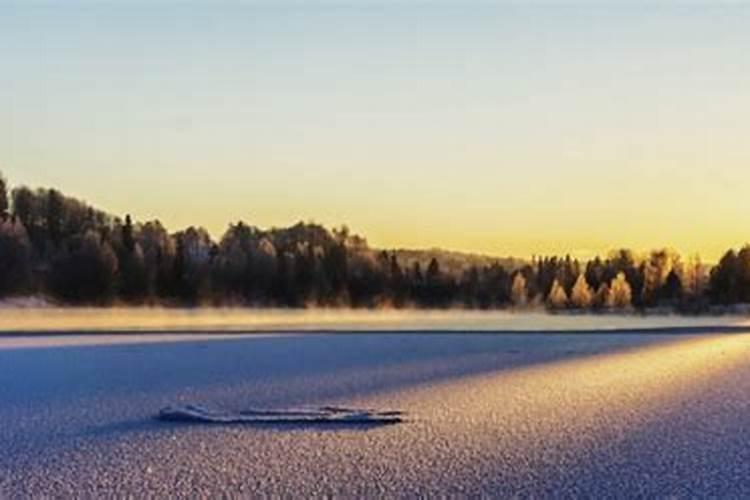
x,y
602,298
725,279
4,202
60,246
672,290
85,270
15,258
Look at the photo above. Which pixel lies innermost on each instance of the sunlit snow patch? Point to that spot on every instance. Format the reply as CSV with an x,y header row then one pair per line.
x,y
318,416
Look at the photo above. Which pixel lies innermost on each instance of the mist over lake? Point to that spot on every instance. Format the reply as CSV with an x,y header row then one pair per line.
x,y
54,319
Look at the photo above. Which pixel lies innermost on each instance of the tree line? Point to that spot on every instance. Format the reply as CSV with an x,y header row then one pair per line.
x,y
64,249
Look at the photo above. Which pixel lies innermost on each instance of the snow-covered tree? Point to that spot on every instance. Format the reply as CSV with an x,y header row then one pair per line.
x,y
518,291
557,298
602,297
581,295
621,294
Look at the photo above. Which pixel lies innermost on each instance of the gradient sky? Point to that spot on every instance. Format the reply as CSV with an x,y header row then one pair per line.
x,y
496,127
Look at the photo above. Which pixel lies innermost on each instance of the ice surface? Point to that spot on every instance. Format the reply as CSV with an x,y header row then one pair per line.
x,y
332,415
601,415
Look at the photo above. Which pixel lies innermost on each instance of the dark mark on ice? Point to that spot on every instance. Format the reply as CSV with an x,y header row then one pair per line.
x,y
326,415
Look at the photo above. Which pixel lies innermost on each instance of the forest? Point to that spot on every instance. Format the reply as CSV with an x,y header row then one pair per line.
x,y
61,248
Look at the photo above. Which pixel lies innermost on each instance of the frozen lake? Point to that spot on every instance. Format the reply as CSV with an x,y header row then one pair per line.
x,y
545,414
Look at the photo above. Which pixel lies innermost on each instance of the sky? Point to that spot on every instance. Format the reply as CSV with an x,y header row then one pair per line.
x,y
506,127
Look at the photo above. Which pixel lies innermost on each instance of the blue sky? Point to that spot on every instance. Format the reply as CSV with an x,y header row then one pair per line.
x,y
500,127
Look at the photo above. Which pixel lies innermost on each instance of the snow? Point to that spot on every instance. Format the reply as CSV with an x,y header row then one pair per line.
x,y
551,414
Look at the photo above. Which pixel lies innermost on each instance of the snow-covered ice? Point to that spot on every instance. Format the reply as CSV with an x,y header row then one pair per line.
x,y
550,414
